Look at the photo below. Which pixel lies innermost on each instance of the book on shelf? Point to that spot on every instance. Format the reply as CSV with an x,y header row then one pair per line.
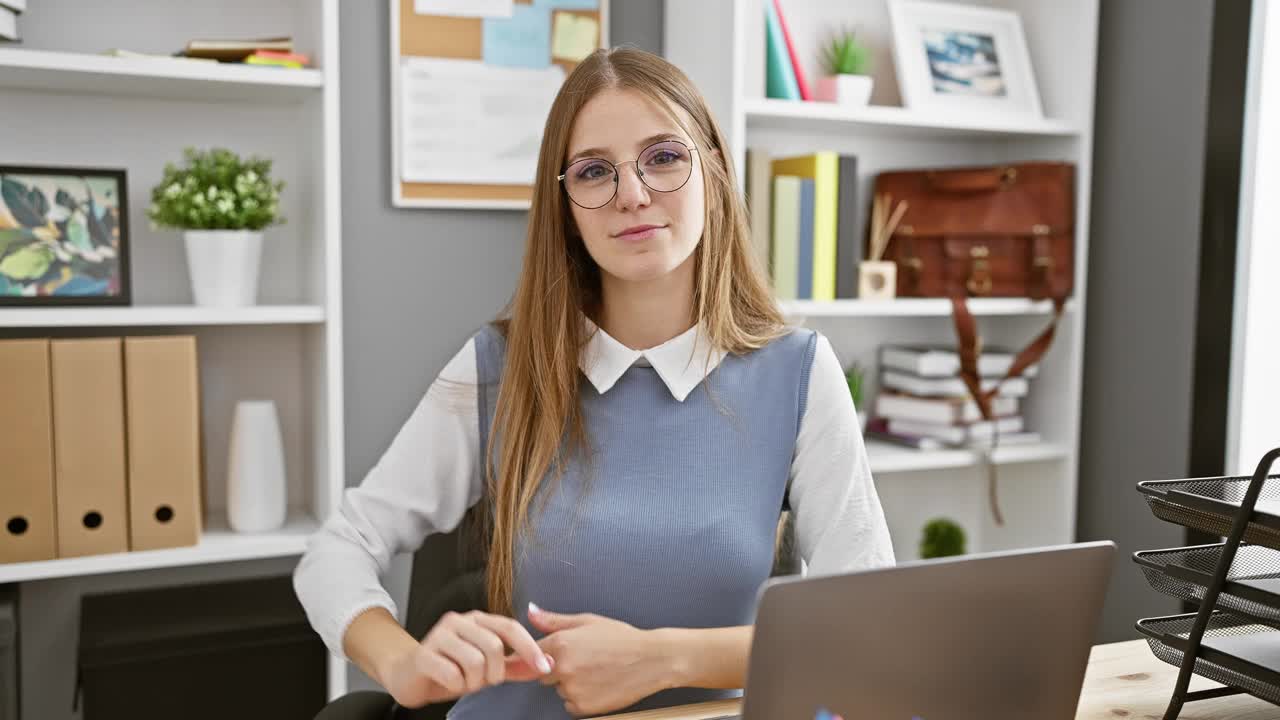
x,y
802,85
958,434
272,58
823,168
878,429
938,361
759,202
780,75
948,386
231,50
849,231
942,410
785,218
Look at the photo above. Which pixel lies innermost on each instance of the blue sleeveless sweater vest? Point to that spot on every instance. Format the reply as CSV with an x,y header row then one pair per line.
x,y
673,520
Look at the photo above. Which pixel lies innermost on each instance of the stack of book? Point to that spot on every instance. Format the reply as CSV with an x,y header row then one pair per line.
x,y
923,402
9,12
804,222
269,52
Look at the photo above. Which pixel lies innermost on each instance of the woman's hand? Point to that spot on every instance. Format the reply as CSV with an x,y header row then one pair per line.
x,y
601,665
462,654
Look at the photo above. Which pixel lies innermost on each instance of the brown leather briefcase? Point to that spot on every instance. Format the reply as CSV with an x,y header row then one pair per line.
x,y
998,231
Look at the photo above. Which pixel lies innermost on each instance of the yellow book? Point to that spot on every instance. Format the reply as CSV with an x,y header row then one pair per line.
x,y
824,168
786,242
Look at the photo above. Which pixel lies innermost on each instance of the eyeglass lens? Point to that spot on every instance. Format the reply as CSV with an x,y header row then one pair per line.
x,y
664,167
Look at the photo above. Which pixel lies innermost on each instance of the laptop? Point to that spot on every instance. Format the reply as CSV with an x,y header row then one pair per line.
x,y
976,637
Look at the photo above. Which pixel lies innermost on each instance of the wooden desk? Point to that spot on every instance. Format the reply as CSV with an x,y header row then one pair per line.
x,y
1124,680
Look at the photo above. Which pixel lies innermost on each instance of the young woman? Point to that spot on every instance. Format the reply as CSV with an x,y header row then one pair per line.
x,y
634,423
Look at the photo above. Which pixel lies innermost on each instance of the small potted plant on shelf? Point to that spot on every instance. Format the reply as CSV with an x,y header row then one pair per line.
x,y
222,203
847,63
942,537
856,376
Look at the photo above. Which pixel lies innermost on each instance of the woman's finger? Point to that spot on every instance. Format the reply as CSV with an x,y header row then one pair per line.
x,y
465,655
518,639
442,671
492,646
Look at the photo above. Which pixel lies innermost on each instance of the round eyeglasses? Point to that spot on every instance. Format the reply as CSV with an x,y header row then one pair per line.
x,y
663,167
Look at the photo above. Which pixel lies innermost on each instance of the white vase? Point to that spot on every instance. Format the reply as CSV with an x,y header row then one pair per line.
x,y
223,266
256,491
845,89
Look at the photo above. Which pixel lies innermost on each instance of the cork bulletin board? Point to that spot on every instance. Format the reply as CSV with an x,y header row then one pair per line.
x,y
471,81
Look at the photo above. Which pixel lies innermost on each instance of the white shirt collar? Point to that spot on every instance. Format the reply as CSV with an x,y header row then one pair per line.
x,y
682,362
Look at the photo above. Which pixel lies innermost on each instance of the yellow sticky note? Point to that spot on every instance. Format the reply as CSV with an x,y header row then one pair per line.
x,y
573,37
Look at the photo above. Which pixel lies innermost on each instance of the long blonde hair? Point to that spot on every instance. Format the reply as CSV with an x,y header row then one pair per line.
x,y
538,407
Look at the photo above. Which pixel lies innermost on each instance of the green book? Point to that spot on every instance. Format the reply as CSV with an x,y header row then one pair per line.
x,y
780,76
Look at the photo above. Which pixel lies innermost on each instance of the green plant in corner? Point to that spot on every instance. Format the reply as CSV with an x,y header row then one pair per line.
x,y
216,190
855,377
844,54
942,537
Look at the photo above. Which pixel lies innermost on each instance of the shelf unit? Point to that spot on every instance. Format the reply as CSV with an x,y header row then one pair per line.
x,y
217,544
720,44
161,315
80,108
163,78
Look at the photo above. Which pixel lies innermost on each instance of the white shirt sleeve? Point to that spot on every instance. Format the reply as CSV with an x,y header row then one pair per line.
x,y
424,483
840,525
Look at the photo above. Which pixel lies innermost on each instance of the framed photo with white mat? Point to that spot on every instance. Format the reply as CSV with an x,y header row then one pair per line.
x,y
963,60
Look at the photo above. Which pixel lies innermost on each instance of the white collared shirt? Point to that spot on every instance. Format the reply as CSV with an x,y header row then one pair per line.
x,y
431,474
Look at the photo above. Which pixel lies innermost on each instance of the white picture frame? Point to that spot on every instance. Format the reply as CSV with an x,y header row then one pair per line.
x,y
963,60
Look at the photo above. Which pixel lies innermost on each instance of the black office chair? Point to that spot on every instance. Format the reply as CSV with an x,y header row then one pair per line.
x,y
448,575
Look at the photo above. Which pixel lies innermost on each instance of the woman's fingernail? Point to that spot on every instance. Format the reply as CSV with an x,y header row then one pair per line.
x,y
544,664
533,608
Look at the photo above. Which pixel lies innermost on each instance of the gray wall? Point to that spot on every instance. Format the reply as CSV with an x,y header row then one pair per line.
x,y
1153,71
416,283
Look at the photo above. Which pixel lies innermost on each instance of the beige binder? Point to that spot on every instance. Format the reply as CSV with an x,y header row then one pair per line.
x,y
88,439
162,415
27,528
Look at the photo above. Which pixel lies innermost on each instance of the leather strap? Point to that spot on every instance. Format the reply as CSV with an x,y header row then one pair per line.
x,y
970,348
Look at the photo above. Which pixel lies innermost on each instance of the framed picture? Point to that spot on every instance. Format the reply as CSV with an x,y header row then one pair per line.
x,y
961,59
64,236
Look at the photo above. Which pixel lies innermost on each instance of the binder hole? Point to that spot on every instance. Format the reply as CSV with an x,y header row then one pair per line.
x,y
92,520
164,513
17,525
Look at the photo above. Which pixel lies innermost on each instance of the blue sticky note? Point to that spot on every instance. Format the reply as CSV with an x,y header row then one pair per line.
x,y
522,40
568,4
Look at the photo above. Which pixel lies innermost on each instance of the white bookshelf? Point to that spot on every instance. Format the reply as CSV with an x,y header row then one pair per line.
x,y
164,78
917,307
160,315
720,45
217,544
80,108
873,121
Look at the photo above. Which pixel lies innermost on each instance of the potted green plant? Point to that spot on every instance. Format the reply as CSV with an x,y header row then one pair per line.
x,y
942,537
847,63
222,203
856,378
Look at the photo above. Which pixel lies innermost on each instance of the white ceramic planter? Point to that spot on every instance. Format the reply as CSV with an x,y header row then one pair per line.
x,y
223,266
845,89
256,491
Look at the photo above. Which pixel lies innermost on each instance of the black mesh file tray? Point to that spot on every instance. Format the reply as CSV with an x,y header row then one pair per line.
x,y
1252,585
1235,651
1211,504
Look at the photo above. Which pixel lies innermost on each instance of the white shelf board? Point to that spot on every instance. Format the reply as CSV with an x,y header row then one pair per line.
x,y
887,458
165,78
887,121
217,544
171,315
915,307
